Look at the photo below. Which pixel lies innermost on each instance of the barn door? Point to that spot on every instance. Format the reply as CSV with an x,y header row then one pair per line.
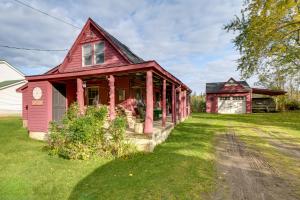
x,y
58,102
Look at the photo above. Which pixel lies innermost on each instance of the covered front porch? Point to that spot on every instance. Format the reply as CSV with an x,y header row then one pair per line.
x,y
150,103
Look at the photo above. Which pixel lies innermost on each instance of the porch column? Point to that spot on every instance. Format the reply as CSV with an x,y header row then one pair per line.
x,y
112,113
164,102
179,104
184,104
173,104
80,95
148,128
188,104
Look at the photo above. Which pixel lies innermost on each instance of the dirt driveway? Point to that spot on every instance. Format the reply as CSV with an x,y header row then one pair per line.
x,y
244,174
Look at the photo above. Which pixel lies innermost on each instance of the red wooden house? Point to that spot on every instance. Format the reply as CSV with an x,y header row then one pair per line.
x,y
234,97
99,69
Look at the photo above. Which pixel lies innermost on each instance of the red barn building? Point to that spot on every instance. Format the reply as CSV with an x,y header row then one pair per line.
x,y
99,69
234,97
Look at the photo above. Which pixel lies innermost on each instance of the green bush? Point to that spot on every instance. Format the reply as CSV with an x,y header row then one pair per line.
x,y
89,135
198,103
292,105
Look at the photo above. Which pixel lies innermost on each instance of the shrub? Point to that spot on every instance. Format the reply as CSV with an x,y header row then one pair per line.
x,y
89,135
198,103
292,105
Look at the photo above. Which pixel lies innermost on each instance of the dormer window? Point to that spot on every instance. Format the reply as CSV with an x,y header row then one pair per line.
x,y
99,53
87,54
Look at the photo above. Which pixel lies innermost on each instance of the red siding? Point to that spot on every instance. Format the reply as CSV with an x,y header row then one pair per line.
x,y
212,101
74,58
71,92
39,116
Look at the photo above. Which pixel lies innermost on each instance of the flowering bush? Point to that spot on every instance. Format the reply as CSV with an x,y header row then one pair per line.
x,y
89,135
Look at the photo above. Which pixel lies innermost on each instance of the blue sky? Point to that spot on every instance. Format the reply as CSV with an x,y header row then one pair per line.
x,y
186,37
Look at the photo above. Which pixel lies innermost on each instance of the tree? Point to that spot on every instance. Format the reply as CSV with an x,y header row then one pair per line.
x,y
268,38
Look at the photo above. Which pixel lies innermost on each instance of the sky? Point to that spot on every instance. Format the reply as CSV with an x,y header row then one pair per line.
x,y
185,36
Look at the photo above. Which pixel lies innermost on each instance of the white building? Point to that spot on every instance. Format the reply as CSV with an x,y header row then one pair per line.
x,y
10,80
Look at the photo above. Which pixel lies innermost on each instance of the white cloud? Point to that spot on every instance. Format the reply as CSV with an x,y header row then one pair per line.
x,y
184,36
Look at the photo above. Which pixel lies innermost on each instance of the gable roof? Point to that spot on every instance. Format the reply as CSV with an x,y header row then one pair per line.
x,y
13,68
6,84
217,86
121,48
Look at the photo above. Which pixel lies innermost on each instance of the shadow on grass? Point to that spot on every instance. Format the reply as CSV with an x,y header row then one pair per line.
x,y
180,168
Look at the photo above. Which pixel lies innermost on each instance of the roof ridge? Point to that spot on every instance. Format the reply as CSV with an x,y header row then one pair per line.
x,y
125,49
12,67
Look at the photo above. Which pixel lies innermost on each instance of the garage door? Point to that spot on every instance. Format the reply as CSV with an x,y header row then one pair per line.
x,y
232,105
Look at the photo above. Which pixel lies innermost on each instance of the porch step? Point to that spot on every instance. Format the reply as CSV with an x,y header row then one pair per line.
x,y
147,143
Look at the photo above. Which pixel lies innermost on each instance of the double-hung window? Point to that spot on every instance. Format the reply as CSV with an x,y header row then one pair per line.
x,y
93,54
99,53
93,95
87,54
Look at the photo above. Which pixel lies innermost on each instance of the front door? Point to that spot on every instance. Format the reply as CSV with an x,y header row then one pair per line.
x,y
58,102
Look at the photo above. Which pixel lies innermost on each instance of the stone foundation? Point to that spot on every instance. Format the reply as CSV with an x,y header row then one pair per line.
x,y
38,135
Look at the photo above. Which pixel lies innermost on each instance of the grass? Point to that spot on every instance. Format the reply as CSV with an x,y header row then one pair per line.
x,y
181,168
258,131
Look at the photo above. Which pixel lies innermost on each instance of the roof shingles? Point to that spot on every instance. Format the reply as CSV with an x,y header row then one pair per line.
x,y
9,82
122,47
217,86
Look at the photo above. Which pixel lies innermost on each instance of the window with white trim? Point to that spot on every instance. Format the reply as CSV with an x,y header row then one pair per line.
x,y
87,54
238,98
224,98
99,53
93,95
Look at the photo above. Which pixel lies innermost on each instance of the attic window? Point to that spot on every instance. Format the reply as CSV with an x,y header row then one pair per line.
x,y
99,53
87,54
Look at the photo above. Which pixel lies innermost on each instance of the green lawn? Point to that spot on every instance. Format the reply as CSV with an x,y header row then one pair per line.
x,y
181,168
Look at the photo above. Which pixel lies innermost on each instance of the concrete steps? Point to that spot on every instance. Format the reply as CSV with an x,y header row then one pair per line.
x,y
148,143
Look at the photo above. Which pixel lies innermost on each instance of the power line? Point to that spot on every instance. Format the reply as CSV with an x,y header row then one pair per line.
x,y
43,12
31,49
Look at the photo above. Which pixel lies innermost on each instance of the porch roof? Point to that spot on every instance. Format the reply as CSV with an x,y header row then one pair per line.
x,y
108,70
268,91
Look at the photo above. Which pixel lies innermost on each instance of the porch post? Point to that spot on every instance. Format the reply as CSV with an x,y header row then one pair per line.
x,y
112,113
184,104
148,128
164,109
80,95
179,104
188,105
173,104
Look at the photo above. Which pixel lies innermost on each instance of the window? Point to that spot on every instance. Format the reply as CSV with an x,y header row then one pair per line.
x,y
93,95
224,98
121,95
238,98
87,54
99,53
138,94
